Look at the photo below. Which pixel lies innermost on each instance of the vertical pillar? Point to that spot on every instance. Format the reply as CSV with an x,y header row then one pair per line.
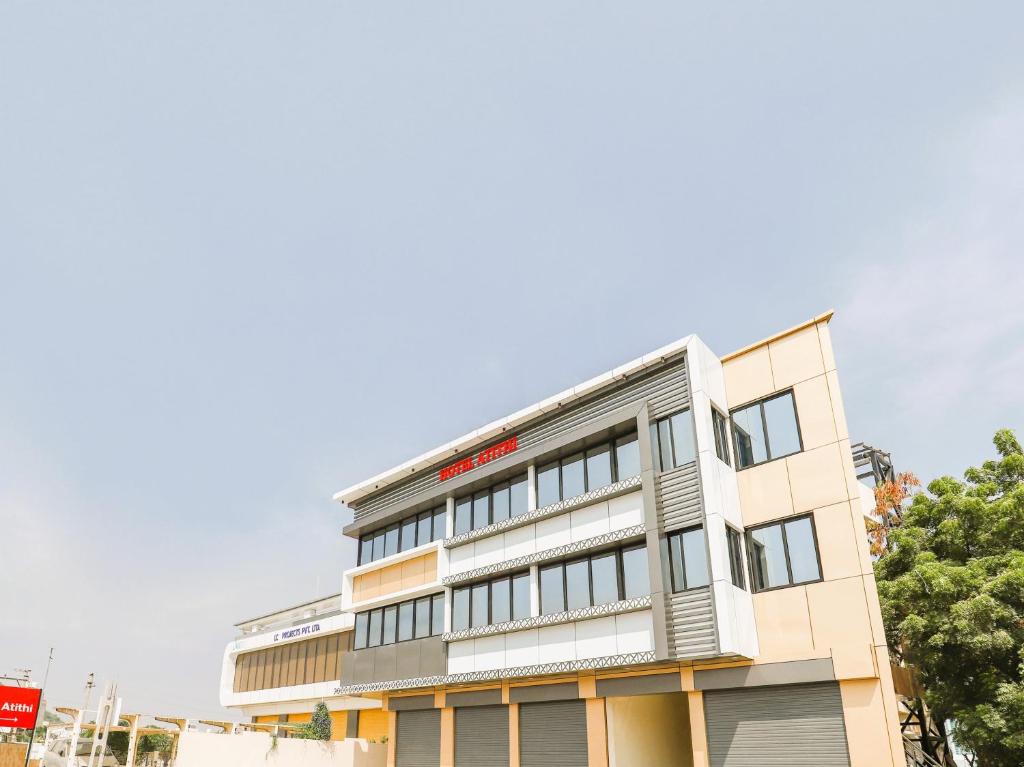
x,y
448,737
698,728
534,591
597,733
531,487
513,735
392,737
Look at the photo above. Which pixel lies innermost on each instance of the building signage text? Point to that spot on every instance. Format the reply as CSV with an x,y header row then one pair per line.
x,y
300,631
484,456
19,706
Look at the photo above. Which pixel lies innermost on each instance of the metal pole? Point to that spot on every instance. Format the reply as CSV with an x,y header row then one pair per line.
x,y
42,690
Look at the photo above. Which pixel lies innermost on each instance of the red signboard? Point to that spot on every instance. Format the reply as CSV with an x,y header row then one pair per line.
x,y
484,456
19,706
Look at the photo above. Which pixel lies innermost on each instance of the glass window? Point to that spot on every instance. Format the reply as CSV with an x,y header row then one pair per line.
x,y
635,578
548,490
552,596
735,558
695,558
365,549
378,545
675,553
408,534
748,436
604,574
803,554
391,541
481,510
517,497
478,615
437,614
375,621
460,609
499,502
404,621
423,525
599,467
683,448
463,515
767,557
627,457
572,476
390,624
440,516
577,584
721,429
765,430
780,419
520,596
500,601
422,617
362,624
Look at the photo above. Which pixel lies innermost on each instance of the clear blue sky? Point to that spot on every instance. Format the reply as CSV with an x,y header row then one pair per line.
x,y
253,252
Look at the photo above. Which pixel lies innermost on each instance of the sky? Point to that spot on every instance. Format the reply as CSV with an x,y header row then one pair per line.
x,y
252,253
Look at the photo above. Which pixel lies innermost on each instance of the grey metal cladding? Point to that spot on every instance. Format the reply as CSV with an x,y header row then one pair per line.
x,y
544,692
473,698
411,703
667,385
404,660
647,684
763,674
553,734
352,724
418,741
481,736
776,726
690,623
678,498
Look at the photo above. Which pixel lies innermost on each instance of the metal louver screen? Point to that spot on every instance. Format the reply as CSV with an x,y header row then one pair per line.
x,y
481,736
798,725
553,734
418,739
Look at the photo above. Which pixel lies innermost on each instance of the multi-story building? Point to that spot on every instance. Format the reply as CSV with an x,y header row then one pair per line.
x,y
665,565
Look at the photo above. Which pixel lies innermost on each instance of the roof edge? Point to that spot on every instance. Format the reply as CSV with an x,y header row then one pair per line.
x,y
823,317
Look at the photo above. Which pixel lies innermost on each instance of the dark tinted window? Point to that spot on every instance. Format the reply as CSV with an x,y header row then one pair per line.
x,y
362,624
672,441
405,618
548,489
783,554
604,576
573,483
478,605
460,609
423,528
552,596
409,533
481,510
422,617
375,622
688,559
721,429
635,578
520,596
499,503
735,558
391,541
627,457
463,515
518,502
440,514
501,605
390,624
437,614
599,467
577,584
765,430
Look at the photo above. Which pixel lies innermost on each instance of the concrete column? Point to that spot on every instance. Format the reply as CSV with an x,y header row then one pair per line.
x,y
597,733
392,737
531,487
448,737
534,591
513,735
698,728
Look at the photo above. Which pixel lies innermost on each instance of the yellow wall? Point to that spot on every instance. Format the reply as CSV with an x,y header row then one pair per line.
x,y
373,723
649,729
393,578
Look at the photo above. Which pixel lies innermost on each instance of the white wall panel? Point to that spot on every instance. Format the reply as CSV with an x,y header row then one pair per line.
x,y
521,648
555,643
461,559
553,532
489,652
460,657
634,632
520,542
490,551
626,511
589,522
595,638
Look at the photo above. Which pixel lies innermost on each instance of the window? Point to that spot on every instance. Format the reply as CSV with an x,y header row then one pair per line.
x,y
719,424
600,579
765,430
597,467
688,559
735,558
497,601
672,441
413,619
495,504
411,532
783,554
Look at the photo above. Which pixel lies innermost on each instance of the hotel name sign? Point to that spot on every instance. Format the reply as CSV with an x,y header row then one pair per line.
x,y
487,455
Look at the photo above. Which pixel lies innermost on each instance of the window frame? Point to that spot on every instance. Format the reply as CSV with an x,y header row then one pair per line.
x,y
736,558
707,559
508,578
610,443
620,577
430,599
760,403
656,448
723,451
434,514
505,484
785,550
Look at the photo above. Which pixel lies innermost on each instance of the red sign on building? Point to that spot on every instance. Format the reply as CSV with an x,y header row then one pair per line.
x,y
19,706
484,456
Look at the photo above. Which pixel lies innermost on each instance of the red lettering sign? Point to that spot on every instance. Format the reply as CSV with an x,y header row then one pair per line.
x,y
484,456
19,706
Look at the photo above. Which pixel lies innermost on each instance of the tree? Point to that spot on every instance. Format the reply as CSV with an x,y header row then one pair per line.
x,y
951,583
890,499
319,725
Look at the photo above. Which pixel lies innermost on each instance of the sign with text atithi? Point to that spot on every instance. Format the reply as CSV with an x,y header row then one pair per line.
x,y
19,706
484,456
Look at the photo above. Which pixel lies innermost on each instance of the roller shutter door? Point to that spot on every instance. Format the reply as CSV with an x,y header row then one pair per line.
x,y
553,734
419,739
481,736
799,725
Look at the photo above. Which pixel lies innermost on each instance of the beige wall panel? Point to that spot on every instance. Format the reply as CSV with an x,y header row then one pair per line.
x,y
764,492
597,733
874,610
860,530
814,409
390,579
854,662
513,734
825,339
392,727
866,726
784,625
649,730
412,573
837,542
430,567
366,586
892,719
373,723
796,358
838,408
817,478
447,737
748,377
698,729
310,661
839,614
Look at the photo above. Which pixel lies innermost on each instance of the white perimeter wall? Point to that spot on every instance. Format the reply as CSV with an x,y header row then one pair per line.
x,y
208,749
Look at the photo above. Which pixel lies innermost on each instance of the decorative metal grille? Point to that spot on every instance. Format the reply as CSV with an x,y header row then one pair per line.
x,y
543,556
561,667
551,510
536,621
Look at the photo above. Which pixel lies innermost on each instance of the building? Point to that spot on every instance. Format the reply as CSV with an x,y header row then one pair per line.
x,y
665,565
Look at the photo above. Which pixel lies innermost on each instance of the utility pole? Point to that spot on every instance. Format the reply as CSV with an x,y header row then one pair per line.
x,y
42,705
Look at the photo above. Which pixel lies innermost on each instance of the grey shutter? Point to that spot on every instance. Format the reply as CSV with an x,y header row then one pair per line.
x,y
419,739
481,736
799,725
553,734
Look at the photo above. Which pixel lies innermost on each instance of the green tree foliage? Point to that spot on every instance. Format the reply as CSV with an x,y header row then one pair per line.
x,y
952,592
319,725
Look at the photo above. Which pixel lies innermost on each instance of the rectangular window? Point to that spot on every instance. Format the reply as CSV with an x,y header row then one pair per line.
x,y
390,624
463,515
422,617
672,441
365,549
405,621
408,534
501,606
783,554
491,602
548,488
362,627
499,503
490,506
378,545
479,614
481,510
720,425
437,614
391,541
375,621
415,530
573,482
688,559
440,515
765,430
520,596
398,623
735,558
460,609
604,578
599,467
552,590
600,579
517,497
635,578
423,525
627,457
582,472
577,584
